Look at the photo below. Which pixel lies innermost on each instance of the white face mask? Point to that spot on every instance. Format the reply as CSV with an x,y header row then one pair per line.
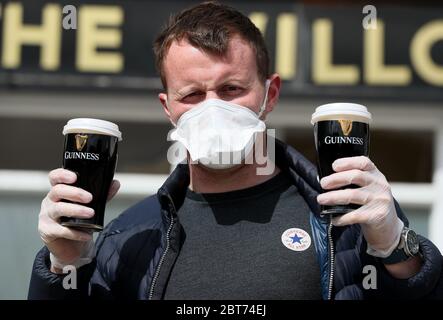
x,y
219,134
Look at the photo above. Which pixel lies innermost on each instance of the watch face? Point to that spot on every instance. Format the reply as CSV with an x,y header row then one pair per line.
x,y
412,244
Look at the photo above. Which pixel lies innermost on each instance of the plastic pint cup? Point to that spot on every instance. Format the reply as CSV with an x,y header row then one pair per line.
x,y
340,130
90,151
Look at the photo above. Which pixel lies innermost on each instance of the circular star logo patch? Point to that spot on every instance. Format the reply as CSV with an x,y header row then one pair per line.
x,y
296,239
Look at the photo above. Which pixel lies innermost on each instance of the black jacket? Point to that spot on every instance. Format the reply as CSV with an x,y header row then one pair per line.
x,y
136,252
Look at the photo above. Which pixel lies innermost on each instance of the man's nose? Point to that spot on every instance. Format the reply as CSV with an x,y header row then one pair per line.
x,y
212,95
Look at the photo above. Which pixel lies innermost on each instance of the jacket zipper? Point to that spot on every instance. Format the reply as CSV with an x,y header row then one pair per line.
x,y
157,272
331,250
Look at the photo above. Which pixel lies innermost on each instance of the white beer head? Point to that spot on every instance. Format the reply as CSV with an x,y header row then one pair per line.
x,y
341,111
96,126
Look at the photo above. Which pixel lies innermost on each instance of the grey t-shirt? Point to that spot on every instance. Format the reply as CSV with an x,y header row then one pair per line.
x,y
254,243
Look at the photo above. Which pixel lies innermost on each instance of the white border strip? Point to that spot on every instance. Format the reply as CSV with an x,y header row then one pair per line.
x,y
36,182
416,195
420,195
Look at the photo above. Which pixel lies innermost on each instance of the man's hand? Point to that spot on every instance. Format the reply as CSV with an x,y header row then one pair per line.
x,y
377,216
66,245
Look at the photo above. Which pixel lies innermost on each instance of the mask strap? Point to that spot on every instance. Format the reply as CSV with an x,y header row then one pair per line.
x,y
263,106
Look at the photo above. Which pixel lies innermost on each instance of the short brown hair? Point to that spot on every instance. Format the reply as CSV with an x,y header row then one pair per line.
x,y
209,26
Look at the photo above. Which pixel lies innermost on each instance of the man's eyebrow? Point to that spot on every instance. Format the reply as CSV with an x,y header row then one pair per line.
x,y
192,86
244,82
184,90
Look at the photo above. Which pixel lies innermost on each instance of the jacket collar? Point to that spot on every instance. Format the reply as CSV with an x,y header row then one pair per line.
x,y
302,172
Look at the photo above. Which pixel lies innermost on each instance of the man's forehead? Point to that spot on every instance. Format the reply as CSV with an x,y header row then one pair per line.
x,y
185,63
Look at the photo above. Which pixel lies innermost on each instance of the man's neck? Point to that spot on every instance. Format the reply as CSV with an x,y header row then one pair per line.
x,y
205,180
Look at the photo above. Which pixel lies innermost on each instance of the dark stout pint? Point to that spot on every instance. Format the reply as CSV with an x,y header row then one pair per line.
x,y
90,150
340,130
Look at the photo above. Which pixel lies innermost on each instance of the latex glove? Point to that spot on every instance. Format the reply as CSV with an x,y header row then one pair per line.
x,y
377,216
86,256
67,246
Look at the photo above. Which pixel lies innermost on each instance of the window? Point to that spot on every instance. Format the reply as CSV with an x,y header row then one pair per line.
x,y
36,144
402,156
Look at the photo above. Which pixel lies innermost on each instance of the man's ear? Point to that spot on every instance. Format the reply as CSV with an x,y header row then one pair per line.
x,y
273,93
163,97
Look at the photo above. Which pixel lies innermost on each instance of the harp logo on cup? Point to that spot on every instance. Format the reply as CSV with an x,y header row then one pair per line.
x,y
346,126
80,141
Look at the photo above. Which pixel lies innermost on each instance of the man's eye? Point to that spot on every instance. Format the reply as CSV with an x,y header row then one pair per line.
x,y
192,97
193,94
231,89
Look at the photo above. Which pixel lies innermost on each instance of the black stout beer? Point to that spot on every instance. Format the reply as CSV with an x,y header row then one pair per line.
x,y
340,130
90,150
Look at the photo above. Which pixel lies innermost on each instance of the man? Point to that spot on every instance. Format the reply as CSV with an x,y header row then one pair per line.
x,y
221,230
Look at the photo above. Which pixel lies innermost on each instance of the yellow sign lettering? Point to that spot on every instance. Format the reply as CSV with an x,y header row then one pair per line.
x,y
420,51
260,19
47,36
323,69
286,46
90,37
375,70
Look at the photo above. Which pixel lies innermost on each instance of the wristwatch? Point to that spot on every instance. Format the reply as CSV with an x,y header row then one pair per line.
x,y
408,247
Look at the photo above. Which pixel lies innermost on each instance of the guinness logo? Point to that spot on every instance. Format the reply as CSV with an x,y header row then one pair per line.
x,y
346,126
80,141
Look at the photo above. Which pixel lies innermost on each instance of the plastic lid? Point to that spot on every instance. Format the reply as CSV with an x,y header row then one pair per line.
x,y
348,110
93,125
